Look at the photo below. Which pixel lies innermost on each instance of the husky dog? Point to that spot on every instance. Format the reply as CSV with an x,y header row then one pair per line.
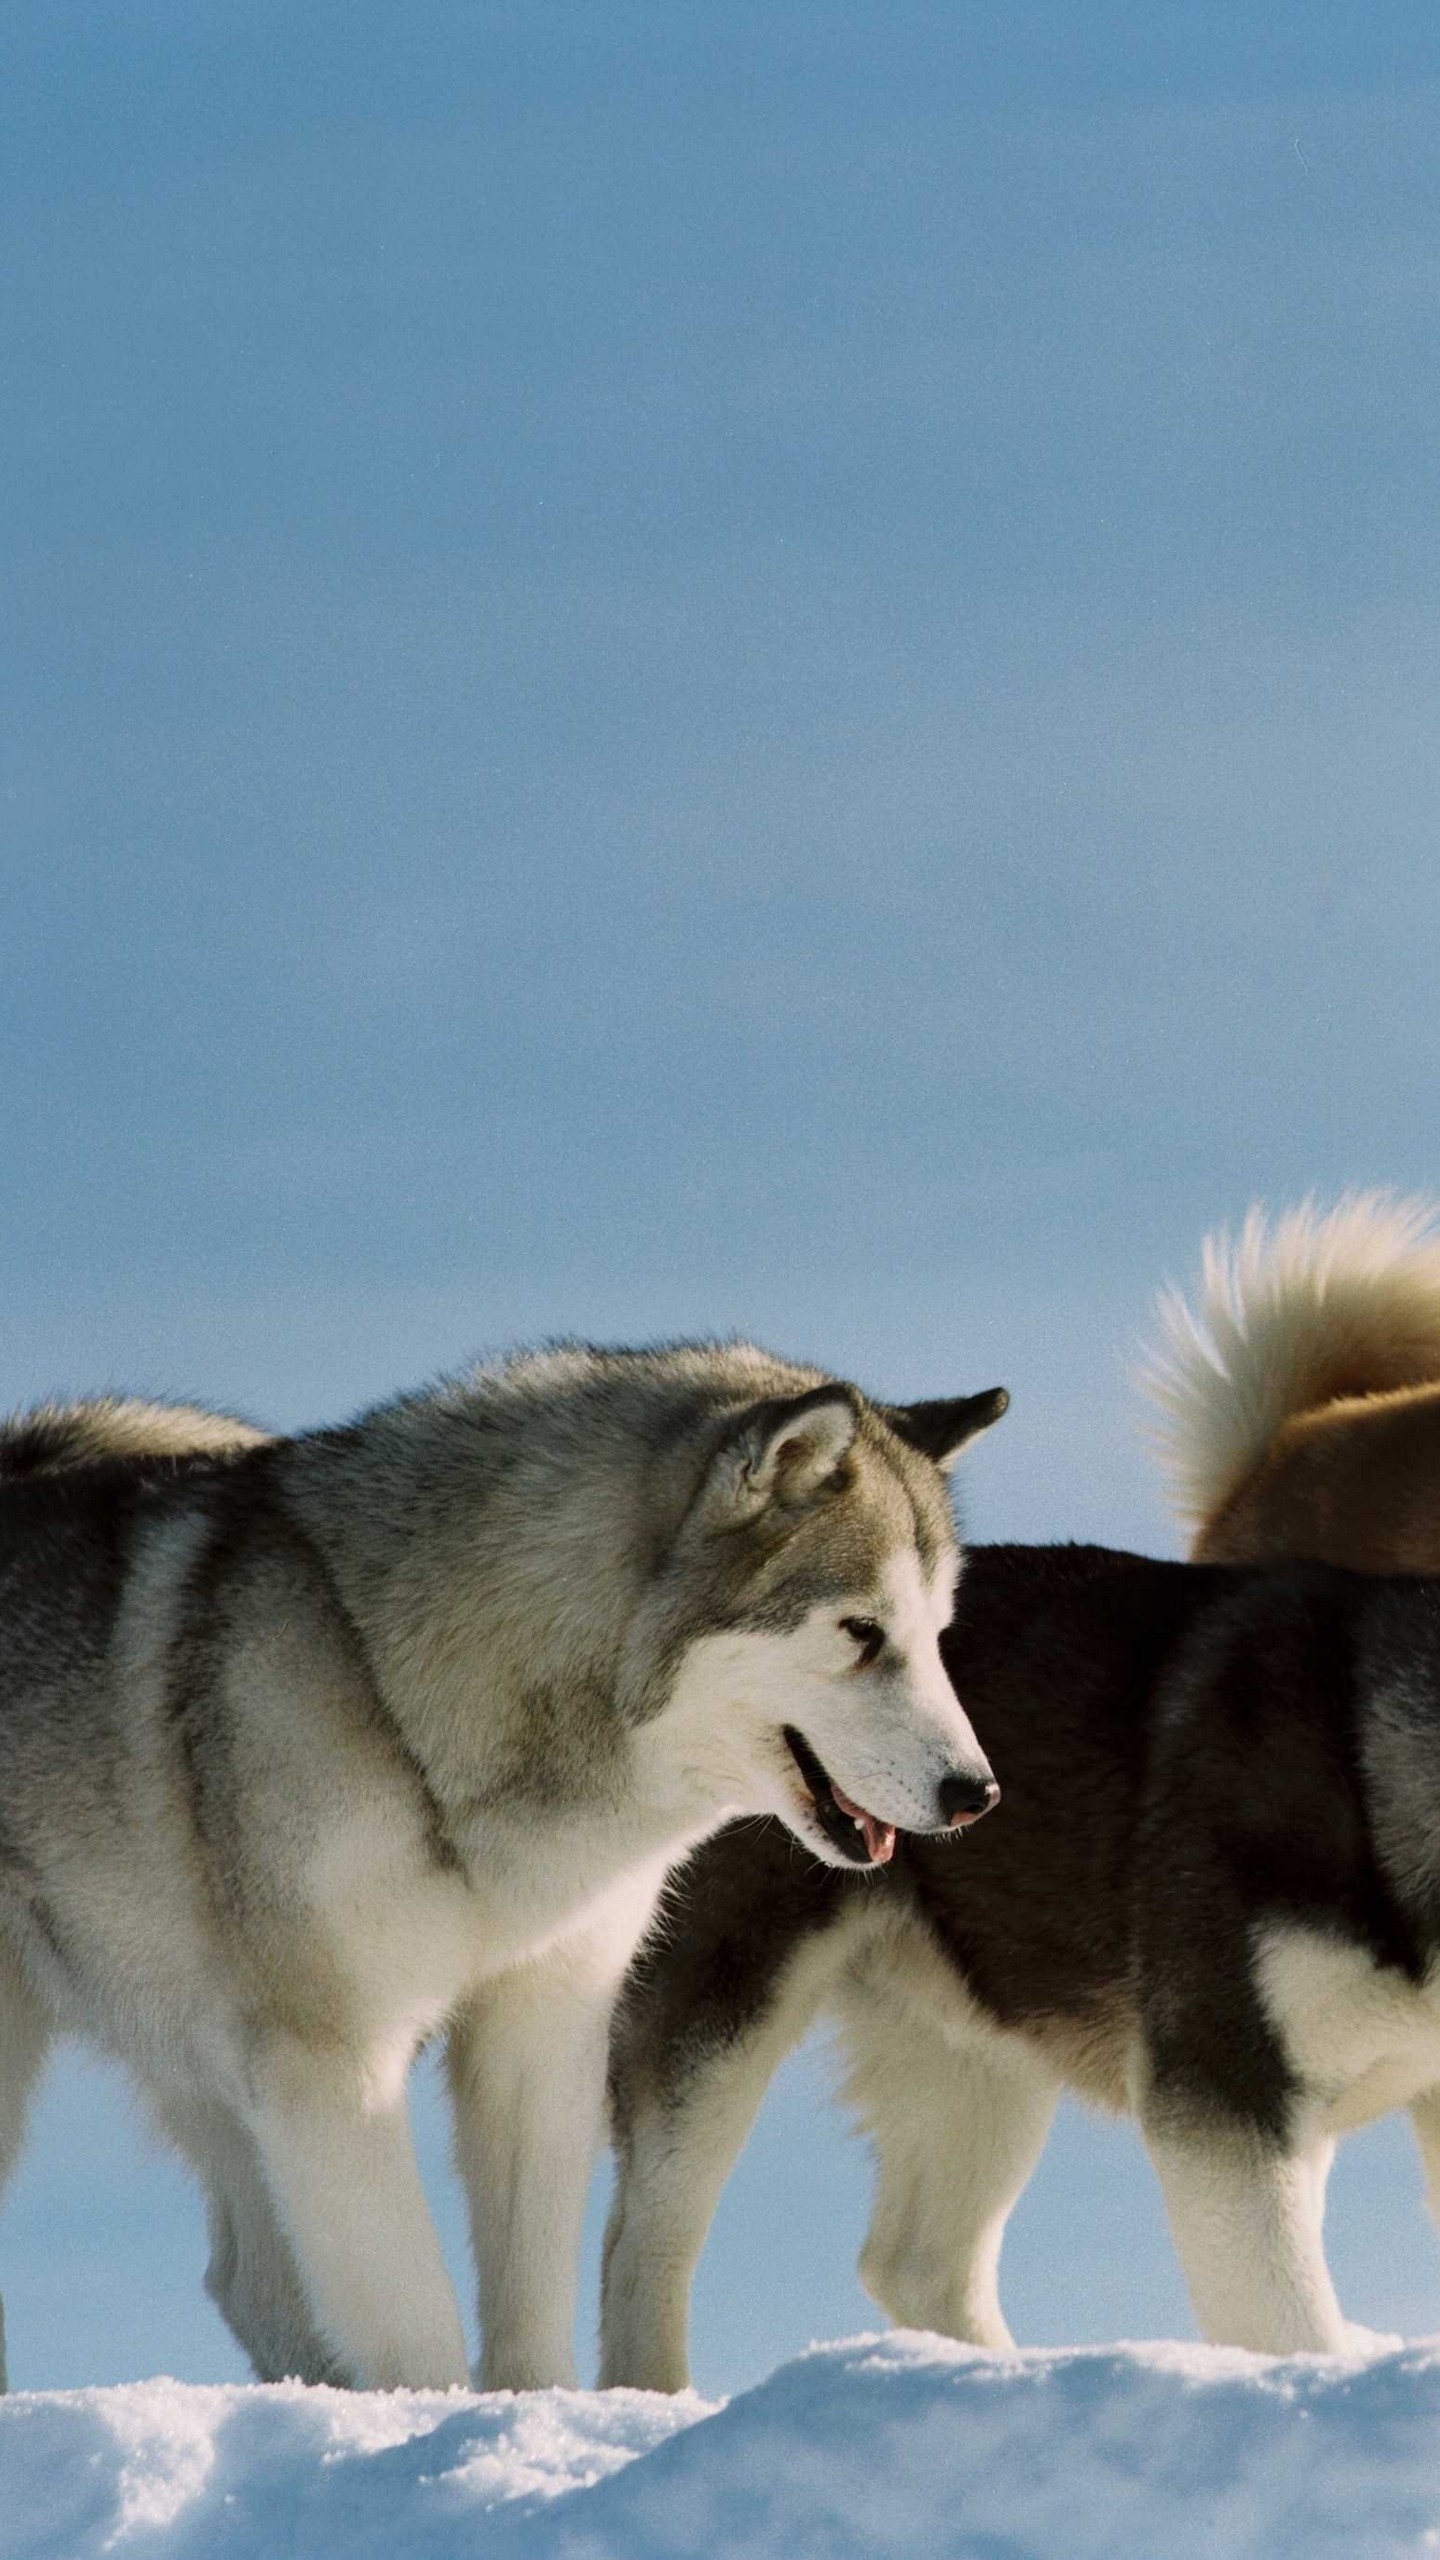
x,y
1300,1404
1300,1412
1212,1897
311,1748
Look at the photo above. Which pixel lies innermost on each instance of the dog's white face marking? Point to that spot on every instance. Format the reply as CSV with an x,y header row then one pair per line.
x,y
861,1683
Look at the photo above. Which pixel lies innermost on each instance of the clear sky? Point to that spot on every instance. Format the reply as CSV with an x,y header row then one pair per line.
x,y
676,669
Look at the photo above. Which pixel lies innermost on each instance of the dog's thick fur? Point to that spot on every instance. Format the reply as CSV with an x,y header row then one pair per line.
x,y
1299,1400
1094,1938
311,1748
1212,1895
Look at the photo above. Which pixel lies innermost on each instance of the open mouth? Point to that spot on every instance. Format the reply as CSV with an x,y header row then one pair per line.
x,y
855,1833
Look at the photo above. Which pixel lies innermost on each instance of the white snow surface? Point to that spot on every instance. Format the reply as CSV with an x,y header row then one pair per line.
x,y
904,2446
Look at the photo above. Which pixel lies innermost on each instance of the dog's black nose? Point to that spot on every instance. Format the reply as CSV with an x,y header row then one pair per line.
x,y
963,1800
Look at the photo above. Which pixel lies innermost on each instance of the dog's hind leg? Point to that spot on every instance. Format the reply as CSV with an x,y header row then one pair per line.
x,y
957,2129
25,2032
252,2278
680,2121
1246,2214
1425,2117
1321,2160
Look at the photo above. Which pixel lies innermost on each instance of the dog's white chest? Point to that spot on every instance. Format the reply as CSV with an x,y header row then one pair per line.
x,y
1358,2036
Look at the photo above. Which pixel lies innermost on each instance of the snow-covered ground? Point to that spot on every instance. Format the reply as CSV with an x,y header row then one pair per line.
x,y
902,2446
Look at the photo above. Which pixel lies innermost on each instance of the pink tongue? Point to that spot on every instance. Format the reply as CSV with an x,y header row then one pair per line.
x,y
879,1836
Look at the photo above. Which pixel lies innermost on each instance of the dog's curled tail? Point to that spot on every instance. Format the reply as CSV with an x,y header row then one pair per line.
x,y
51,1438
1292,1314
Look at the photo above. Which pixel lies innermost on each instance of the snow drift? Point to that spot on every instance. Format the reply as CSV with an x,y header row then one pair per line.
x,y
903,2446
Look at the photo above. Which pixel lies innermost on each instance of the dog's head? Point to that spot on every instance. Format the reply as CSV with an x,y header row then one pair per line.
x,y
806,1591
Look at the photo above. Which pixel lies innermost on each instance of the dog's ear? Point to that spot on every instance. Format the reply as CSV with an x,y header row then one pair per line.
x,y
784,1450
940,1428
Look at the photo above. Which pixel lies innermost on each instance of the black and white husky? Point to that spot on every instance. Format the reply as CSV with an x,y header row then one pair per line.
x,y
1212,1896
313,1748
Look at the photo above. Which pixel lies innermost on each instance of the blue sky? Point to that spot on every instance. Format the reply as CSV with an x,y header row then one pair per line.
x,y
672,669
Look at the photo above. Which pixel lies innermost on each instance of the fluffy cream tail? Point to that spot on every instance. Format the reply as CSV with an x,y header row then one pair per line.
x,y
1291,1314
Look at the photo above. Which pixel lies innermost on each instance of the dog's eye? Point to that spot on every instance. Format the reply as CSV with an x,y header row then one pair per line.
x,y
867,1634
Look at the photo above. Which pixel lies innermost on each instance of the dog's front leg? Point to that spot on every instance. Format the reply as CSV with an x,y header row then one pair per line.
x,y
527,2071
1246,2214
253,2278
956,2132
339,2161
684,2094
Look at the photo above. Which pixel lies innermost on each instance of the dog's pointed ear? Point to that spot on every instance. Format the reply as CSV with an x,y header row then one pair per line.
x,y
785,1450
940,1428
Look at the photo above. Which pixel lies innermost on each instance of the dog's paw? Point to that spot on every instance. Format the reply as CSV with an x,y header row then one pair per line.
x,y
1360,2341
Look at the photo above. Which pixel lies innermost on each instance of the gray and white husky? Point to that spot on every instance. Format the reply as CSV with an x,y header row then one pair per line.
x,y
311,1748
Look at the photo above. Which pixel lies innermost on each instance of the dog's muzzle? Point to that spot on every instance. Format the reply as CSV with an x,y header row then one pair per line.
x,y
858,1834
